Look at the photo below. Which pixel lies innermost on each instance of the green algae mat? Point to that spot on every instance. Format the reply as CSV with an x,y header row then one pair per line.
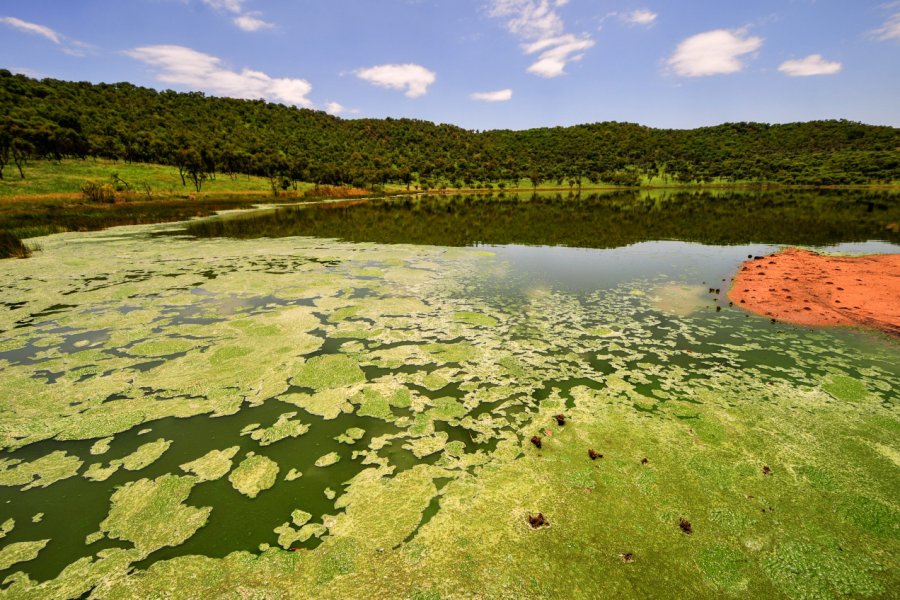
x,y
285,409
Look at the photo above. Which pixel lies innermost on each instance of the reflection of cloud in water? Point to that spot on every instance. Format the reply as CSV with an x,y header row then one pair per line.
x,y
538,292
679,298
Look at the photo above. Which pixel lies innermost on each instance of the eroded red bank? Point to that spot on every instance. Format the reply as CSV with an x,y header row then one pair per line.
x,y
807,288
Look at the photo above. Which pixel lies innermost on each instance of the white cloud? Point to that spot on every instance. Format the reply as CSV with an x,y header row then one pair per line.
x,y
250,23
32,28
232,6
715,52
891,28
195,70
411,79
498,96
557,52
66,44
531,19
538,24
639,17
245,20
28,72
336,108
813,64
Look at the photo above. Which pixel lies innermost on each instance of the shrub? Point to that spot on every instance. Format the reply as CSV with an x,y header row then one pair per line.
x,y
12,247
98,192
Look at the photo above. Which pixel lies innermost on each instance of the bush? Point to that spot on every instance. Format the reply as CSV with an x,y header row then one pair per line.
x,y
98,192
327,191
12,247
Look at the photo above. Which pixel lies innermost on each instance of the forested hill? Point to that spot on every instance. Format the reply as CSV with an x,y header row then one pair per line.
x,y
202,135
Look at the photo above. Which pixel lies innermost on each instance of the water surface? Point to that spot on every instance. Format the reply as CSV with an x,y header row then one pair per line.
x,y
448,329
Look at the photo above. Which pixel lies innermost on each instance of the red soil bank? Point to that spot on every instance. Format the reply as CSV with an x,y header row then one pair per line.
x,y
806,288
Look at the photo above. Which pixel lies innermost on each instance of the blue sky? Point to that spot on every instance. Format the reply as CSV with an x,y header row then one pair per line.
x,y
485,64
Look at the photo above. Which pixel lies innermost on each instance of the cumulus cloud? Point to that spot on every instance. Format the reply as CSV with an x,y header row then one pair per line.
x,y
336,108
178,65
639,17
251,23
542,30
813,64
411,79
715,52
498,96
891,28
245,20
32,28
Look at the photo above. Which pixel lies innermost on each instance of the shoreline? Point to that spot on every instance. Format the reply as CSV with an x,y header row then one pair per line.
x,y
189,196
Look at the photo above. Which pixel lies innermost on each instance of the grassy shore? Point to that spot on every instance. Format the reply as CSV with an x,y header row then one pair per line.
x,y
65,178
49,199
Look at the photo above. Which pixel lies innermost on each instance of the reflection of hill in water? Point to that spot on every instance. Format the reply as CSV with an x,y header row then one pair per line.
x,y
589,221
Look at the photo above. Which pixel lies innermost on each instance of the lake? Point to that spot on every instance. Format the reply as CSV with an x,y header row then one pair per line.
x,y
359,384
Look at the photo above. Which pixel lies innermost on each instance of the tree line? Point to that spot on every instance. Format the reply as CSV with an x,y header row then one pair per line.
x,y
206,136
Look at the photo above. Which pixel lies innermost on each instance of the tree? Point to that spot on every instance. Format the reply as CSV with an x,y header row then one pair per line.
x,y
196,168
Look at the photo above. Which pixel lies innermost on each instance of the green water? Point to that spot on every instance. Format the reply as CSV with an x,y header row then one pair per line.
x,y
460,325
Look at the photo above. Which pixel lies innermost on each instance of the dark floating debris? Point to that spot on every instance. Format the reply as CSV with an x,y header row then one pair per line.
x,y
685,526
537,521
594,454
560,419
627,557
766,470
536,440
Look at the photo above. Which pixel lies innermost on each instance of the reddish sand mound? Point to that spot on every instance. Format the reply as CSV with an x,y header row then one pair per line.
x,y
806,288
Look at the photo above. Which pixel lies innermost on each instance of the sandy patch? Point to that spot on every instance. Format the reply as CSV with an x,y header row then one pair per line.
x,y
807,288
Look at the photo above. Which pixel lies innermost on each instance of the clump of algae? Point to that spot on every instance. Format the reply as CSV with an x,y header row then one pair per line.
x,y
844,387
213,465
287,535
20,552
255,474
40,472
143,456
474,318
151,513
328,372
327,460
328,404
101,446
351,436
285,427
6,527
